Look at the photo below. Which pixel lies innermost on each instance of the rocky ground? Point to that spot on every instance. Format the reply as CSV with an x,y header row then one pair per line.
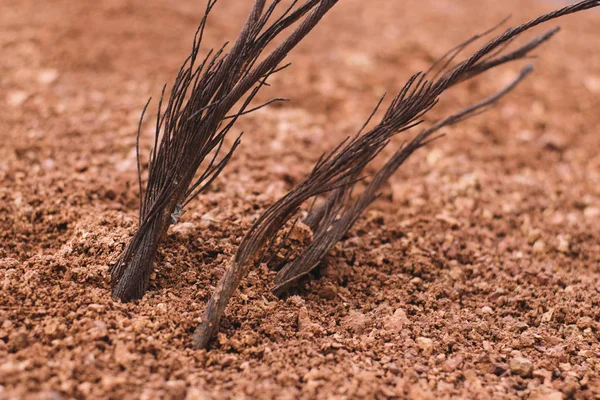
x,y
476,275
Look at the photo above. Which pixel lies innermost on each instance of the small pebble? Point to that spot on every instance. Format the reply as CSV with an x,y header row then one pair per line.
x,y
16,98
521,366
520,326
591,212
564,245
395,323
425,344
47,76
539,246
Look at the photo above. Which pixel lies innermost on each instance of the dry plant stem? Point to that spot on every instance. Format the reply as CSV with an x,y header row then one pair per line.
x,y
328,231
331,229
332,170
340,168
196,121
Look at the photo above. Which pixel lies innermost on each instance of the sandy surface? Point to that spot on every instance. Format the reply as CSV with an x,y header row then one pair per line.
x,y
475,276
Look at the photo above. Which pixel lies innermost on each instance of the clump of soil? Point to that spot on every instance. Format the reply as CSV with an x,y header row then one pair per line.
x,y
476,274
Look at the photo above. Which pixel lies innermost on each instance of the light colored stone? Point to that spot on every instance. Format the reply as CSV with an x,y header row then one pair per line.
x,y
425,344
585,322
564,244
122,354
177,389
16,98
197,394
547,316
184,229
521,366
53,328
591,212
305,324
395,323
434,156
592,83
451,221
544,393
519,326
534,235
11,367
47,76
99,330
356,321
539,246
452,363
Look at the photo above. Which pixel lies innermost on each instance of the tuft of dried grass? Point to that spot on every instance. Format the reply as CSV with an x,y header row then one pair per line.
x,y
192,126
337,172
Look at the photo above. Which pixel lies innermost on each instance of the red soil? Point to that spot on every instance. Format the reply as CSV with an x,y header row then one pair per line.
x,y
475,276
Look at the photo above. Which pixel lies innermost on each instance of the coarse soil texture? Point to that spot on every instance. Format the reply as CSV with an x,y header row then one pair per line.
x,y
475,275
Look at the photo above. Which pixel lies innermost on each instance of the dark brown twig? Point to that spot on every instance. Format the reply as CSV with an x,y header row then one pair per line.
x,y
338,170
197,119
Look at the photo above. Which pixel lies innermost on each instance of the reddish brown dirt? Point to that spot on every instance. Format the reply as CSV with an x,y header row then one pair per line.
x,y
479,264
